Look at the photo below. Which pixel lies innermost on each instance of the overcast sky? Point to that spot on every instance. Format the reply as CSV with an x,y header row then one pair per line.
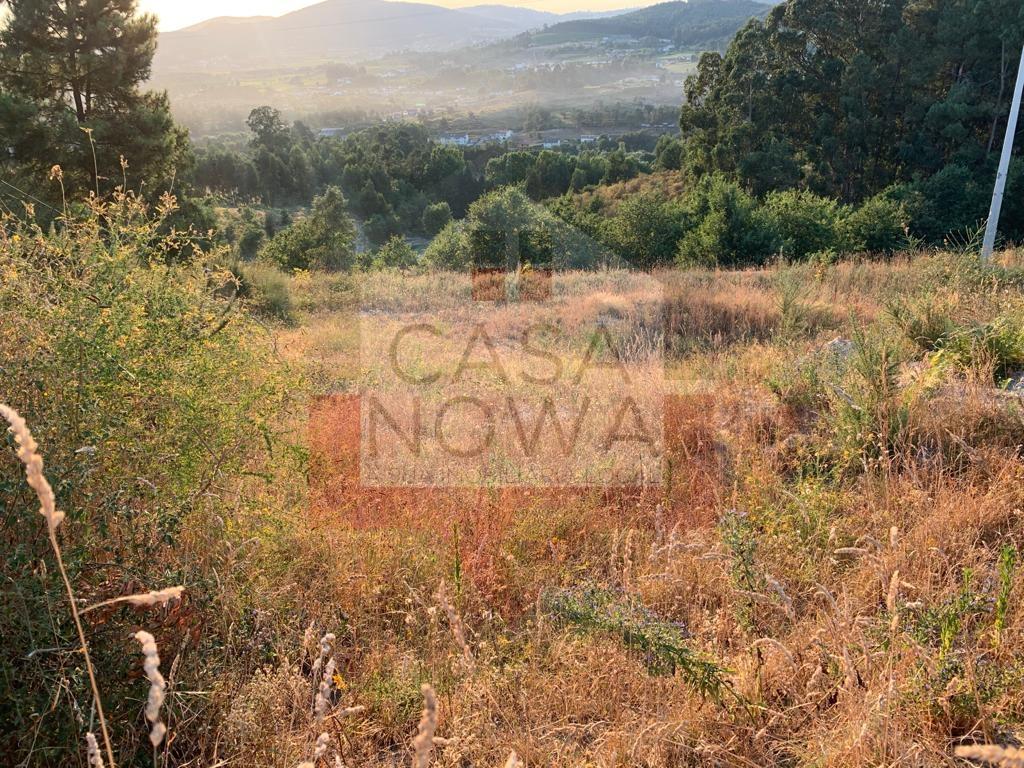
x,y
175,14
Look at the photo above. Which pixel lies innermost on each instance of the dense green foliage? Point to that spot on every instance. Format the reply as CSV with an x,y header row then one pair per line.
x,y
646,229
69,95
729,230
391,173
436,217
717,223
548,173
322,240
150,392
847,99
504,229
826,128
396,177
396,253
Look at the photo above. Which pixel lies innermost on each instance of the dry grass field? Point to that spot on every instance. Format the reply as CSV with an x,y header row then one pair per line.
x,y
817,563
825,574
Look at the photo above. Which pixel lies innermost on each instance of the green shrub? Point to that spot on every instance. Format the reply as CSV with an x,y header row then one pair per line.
x,y
646,230
436,217
448,250
505,227
396,253
923,320
250,240
668,154
997,345
152,394
381,226
730,232
322,240
868,421
802,223
950,202
878,225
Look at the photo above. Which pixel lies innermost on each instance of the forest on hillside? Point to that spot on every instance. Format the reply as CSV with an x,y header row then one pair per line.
x,y
823,129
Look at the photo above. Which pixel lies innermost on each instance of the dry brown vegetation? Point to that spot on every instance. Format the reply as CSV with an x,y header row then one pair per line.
x,y
838,533
667,184
826,574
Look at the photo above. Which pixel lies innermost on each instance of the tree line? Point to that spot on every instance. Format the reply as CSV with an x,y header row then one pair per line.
x,y
829,126
849,100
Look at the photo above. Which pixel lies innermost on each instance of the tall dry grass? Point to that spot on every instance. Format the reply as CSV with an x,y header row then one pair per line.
x,y
836,542
28,452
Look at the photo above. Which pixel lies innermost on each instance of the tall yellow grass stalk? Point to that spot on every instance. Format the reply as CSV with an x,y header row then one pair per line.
x,y
93,751
143,600
457,627
28,452
157,686
993,754
325,665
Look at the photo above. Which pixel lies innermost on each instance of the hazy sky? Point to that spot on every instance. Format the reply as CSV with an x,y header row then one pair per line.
x,y
175,14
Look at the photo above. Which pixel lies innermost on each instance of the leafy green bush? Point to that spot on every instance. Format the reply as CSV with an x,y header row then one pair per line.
x,y
436,217
380,227
878,225
802,223
949,202
448,250
668,154
997,345
152,394
504,227
924,320
646,230
322,240
396,253
729,232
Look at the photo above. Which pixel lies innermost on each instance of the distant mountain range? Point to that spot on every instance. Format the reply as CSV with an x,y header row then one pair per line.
x,y
528,18
354,30
342,30
699,24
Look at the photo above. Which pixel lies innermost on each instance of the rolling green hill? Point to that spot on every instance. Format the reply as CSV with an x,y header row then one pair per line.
x,y
703,24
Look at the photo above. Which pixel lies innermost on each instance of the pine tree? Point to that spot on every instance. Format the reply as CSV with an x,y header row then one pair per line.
x,y
70,75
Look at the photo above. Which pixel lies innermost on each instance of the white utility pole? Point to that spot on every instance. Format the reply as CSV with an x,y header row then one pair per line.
x,y
1004,167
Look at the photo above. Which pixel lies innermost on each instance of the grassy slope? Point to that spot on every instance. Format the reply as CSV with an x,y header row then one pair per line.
x,y
839,534
708,24
827,576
